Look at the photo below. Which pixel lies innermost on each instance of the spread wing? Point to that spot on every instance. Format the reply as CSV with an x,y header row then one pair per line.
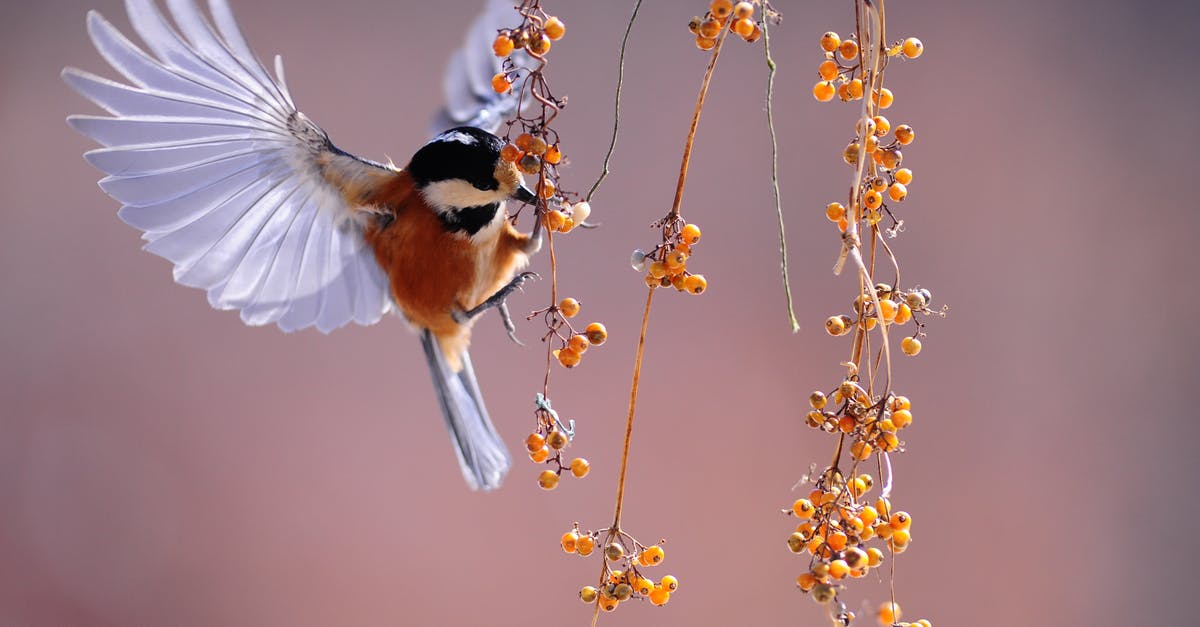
x,y
467,83
247,198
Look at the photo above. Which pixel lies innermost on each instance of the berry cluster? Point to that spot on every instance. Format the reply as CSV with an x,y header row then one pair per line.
x,y
572,343
666,264
739,18
547,444
895,307
841,71
843,535
537,151
628,580
838,529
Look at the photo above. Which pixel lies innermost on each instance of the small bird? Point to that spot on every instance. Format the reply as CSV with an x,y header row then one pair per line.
x,y
251,201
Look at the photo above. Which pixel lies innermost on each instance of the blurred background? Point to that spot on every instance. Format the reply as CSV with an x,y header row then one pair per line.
x,y
162,464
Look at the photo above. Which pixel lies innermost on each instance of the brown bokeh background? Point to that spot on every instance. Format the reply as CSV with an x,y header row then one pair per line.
x,y
162,464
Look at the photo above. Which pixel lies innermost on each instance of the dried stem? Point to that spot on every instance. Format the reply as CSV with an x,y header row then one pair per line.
x,y
617,102
787,286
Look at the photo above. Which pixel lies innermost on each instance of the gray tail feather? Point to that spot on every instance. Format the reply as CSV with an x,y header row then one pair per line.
x,y
481,454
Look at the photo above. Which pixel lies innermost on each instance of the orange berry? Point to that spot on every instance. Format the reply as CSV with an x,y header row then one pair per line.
x,y
657,269
900,402
570,541
874,556
860,450
580,467
806,581
596,333
721,8
643,586
882,125
905,134
838,569
568,358
883,98
887,309
653,555
709,29
828,70
744,27
848,49
830,41
608,604
834,326
803,508
548,192
897,192
823,91
706,43
755,35
872,200
835,211
578,343
557,440
669,583
569,307
660,596
911,346
836,540
912,47
502,46
553,155
901,418
510,153
554,219
855,89
554,28
891,158
889,613
695,284
524,141
888,442
690,233
588,594
843,92
548,480
500,83
900,520
676,261
903,176
540,455
534,442
846,424
743,10
585,545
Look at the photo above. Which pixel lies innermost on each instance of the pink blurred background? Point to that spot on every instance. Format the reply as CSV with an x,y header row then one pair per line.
x,y
162,464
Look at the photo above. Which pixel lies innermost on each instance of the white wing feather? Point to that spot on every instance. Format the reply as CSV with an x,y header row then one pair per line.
x,y
212,161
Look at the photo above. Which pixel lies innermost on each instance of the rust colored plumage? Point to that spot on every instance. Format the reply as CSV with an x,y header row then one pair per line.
x,y
434,272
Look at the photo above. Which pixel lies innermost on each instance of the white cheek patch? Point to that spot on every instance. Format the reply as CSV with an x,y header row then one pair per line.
x,y
454,194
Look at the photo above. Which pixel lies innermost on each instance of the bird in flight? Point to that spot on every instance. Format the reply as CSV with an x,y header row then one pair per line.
x,y
251,201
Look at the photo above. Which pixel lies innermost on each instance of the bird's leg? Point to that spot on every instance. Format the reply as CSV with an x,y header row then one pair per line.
x,y
495,300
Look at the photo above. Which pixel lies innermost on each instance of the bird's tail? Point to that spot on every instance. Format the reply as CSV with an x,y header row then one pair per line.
x,y
481,454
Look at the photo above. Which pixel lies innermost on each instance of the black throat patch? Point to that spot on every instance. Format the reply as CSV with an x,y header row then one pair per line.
x,y
469,219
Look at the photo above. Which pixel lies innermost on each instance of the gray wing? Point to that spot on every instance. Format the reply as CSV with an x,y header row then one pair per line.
x,y
470,99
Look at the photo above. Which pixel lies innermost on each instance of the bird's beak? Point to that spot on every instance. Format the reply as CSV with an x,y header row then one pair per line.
x,y
523,194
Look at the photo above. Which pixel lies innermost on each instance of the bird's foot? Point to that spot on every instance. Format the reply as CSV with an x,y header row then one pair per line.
x,y
497,300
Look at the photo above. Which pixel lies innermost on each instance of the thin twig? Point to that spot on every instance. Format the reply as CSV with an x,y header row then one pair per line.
x,y
617,103
787,286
